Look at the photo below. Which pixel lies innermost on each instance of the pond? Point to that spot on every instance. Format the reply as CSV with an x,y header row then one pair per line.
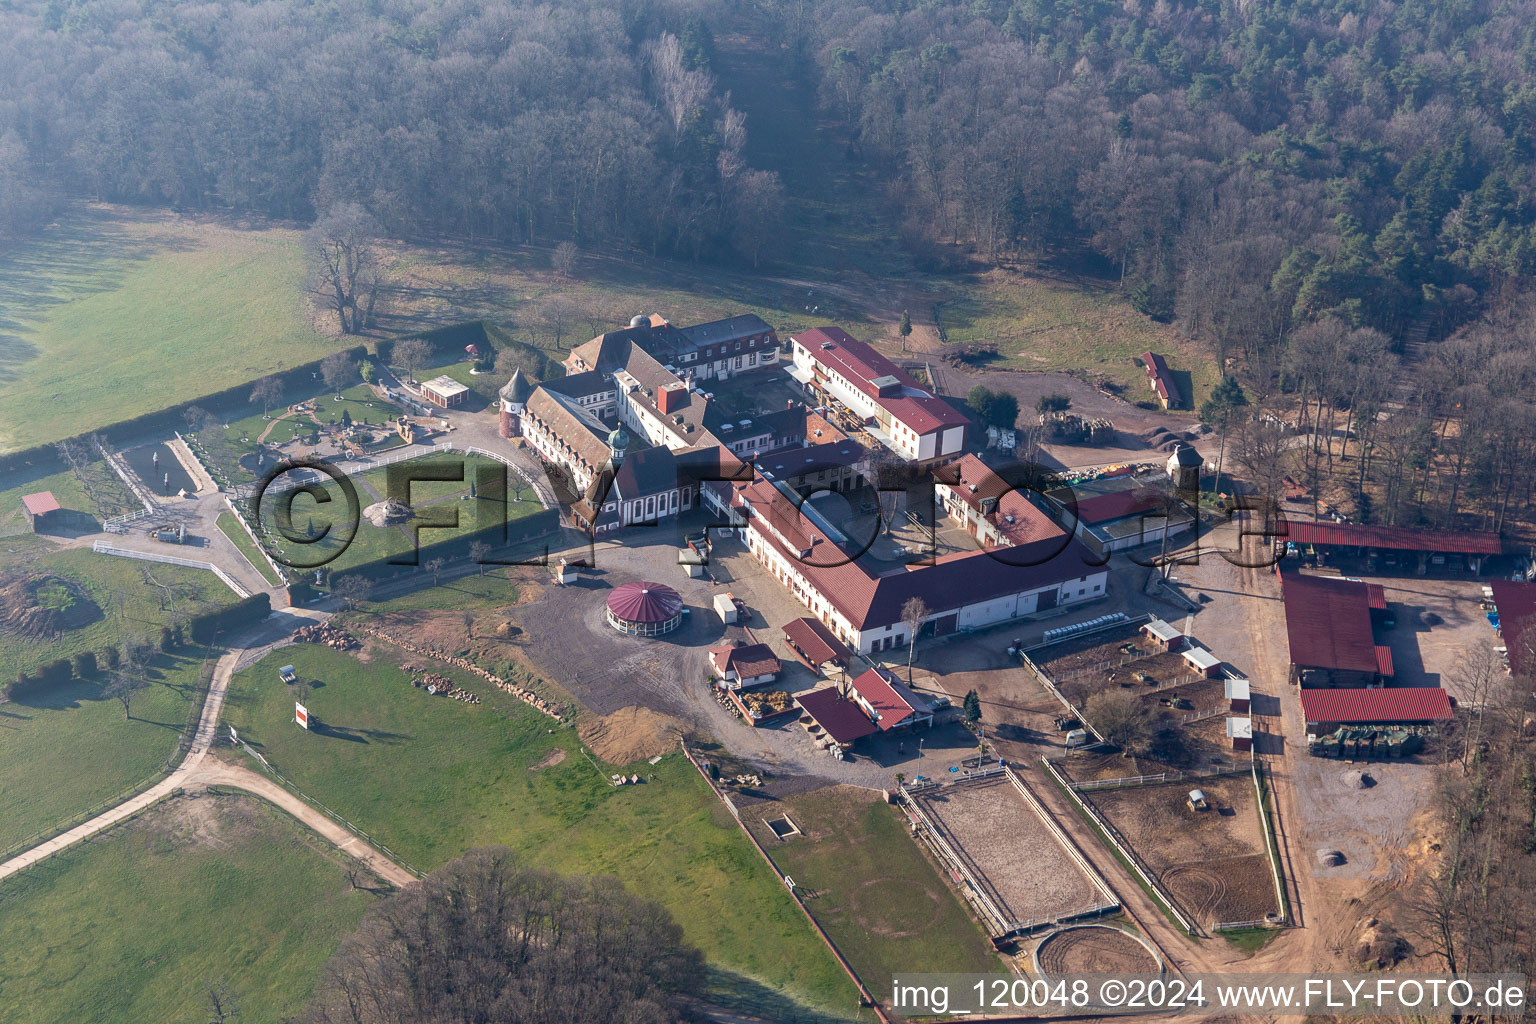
x,y
158,468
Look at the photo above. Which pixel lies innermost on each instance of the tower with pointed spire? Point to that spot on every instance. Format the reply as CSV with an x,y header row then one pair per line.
x,y
512,396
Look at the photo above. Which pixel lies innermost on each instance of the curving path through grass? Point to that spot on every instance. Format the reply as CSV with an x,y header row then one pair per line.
x,y
196,769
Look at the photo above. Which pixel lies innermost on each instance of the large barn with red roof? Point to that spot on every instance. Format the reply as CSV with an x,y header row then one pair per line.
x,y
861,601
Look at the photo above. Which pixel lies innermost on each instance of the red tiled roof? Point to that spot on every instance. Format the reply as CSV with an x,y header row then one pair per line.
x,y
842,719
1384,661
891,709
746,660
1328,623
1376,597
1396,538
950,582
1101,508
816,642
39,503
1016,517
860,364
1396,704
1162,380
1516,604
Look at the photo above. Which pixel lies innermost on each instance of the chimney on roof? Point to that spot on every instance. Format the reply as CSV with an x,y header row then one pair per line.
x,y
671,397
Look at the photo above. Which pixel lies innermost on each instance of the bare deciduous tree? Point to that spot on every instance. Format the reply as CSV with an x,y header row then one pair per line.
x,y
351,590
268,391
338,370
1121,718
913,613
411,354
564,259
344,263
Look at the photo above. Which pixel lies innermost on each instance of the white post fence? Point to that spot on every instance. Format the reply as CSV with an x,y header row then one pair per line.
x,y
103,547
1124,848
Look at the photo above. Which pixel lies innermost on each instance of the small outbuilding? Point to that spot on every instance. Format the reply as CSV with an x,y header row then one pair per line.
x,y
41,509
444,392
739,665
815,645
1239,694
1167,636
1202,661
1197,800
1240,732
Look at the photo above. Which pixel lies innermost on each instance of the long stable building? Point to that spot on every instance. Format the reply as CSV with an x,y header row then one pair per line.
x,y
1392,546
861,601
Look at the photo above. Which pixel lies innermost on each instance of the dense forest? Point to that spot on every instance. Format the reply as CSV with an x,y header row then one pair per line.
x,y
1319,190
587,120
1314,188
1243,165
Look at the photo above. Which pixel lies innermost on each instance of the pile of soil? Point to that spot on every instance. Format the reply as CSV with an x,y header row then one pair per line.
x,y
43,605
630,734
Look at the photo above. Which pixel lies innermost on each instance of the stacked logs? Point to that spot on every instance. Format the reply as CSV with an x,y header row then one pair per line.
x,y
442,686
327,634
522,693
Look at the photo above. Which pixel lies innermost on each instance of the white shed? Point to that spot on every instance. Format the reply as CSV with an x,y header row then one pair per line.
x,y
1203,660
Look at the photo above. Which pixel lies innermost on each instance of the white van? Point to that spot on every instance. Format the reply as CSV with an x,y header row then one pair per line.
x,y
1077,738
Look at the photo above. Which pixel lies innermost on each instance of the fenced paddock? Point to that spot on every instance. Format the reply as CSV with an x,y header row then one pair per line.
x,y
1002,849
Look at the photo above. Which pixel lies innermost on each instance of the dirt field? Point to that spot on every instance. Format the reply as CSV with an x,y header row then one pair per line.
x,y
630,734
1094,950
1233,889
1010,849
1108,659
1165,832
1213,862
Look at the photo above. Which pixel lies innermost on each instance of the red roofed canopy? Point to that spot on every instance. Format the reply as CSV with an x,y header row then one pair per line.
x,y
1395,538
1376,707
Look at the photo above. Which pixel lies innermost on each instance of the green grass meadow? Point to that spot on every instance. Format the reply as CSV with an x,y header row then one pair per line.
x,y
64,751
113,313
431,777
129,605
876,894
133,925
443,509
232,529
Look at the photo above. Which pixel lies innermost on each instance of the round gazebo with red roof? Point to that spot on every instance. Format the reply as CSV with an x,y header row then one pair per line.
x,y
643,608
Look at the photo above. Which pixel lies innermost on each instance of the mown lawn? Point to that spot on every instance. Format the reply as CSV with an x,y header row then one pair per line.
x,y
232,529
64,751
430,777
1045,323
443,508
129,604
73,501
875,892
114,313
490,589
133,925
